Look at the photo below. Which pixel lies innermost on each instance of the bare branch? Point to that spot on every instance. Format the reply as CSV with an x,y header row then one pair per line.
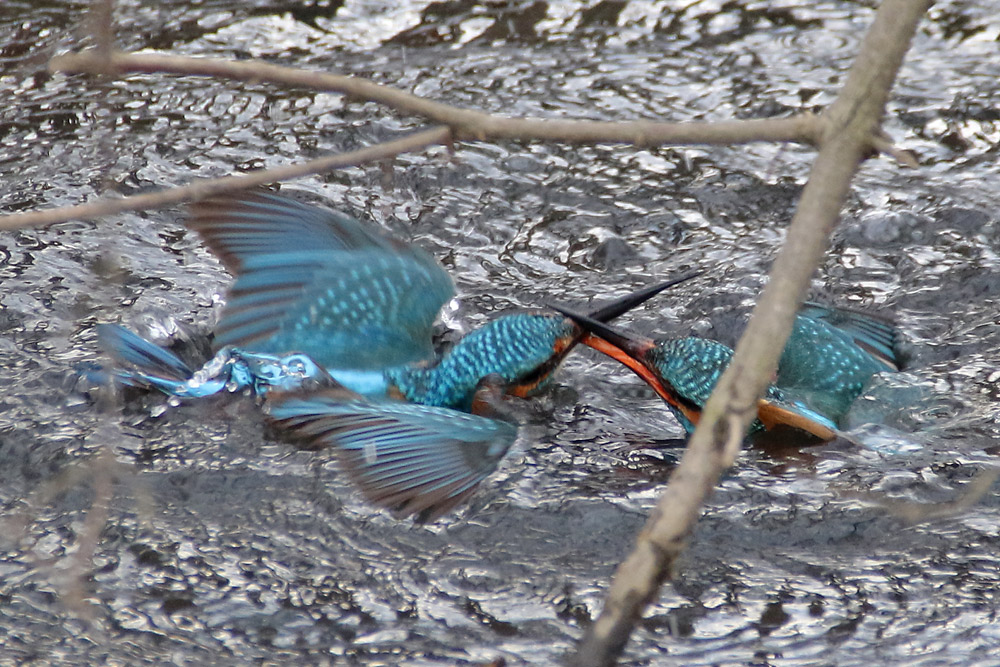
x,y
100,22
883,144
917,512
210,187
89,537
851,122
464,124
467,125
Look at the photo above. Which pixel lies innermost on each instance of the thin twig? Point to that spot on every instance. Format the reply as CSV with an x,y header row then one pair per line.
x,y
850,123
467,125
464,124
883,144
917,512
209,187
78,575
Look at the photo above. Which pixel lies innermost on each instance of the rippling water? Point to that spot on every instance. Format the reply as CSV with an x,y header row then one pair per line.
x,y
225,544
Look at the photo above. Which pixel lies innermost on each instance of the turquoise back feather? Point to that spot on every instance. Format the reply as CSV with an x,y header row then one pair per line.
x,y
511,348
828,360
831,355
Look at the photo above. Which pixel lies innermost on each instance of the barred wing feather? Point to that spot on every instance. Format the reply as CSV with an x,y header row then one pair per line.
x,y
319,282
413,459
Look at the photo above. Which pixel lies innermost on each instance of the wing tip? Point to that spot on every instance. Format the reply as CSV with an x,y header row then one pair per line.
x,y
407,463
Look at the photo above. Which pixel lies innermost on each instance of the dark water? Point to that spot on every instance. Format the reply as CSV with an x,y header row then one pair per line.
x,y
225,544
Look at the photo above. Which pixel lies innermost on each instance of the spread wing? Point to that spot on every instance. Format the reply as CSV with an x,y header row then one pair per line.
x,y
831,355
873,334
314,281
414,459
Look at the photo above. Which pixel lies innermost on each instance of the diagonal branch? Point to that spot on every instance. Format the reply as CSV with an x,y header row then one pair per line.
x,y
462,124
209,187
851,121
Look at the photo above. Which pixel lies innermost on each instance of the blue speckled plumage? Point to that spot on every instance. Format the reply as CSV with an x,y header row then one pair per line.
x,y
320,301
360,304
692,366
512,348
828,360
318,282
824,366
872,334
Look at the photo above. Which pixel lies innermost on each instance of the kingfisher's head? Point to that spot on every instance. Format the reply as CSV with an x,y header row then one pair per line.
x,y
648,358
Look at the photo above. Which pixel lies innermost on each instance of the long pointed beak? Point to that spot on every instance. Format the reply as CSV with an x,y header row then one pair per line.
x,y
604,314
626,303
634,359
632,351
627,348
628,343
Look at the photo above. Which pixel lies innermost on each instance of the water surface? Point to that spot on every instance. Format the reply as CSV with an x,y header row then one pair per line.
x,y
226,544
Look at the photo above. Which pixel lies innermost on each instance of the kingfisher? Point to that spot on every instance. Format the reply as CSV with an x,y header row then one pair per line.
x,y
320,297
331,322
830,356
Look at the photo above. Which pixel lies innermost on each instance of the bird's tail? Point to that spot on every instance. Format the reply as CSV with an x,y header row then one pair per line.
x,y
130,349
139,362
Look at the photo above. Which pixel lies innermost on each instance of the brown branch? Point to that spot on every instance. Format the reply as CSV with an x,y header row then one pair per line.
x,y
100,21
916,512
851,122
89,536
209,187
467,125
100,471
463,124
883,144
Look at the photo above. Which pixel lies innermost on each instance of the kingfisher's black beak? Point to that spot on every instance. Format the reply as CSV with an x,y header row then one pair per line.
x,y
628,348
624,343
634,352
629,301
567,342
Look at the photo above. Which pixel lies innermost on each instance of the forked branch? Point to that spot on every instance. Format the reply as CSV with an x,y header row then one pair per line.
x,y
466,124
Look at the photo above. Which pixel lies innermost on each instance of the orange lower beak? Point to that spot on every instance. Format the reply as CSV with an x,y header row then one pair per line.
x,y
633,357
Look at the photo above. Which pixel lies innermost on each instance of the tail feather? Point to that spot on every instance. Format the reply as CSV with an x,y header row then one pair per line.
x,y
148,360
